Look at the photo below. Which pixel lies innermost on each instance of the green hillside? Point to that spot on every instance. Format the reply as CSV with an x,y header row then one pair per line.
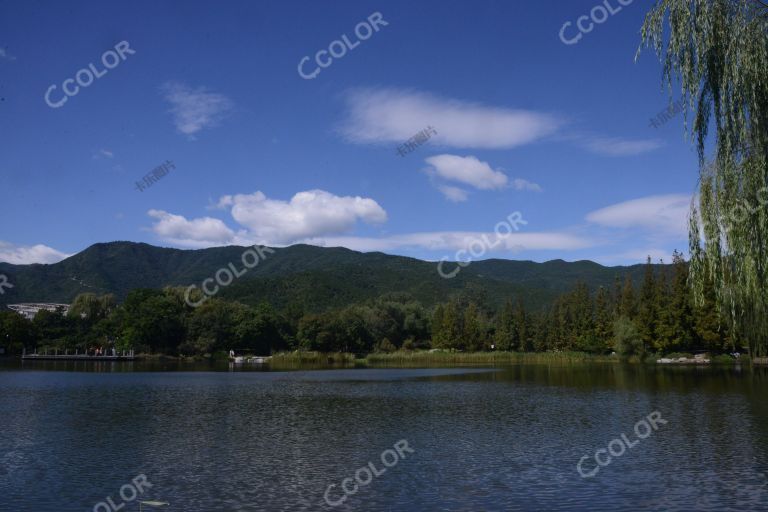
x,y
318,278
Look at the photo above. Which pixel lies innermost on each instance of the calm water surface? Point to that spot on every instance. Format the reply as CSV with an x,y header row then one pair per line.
x,y
500,439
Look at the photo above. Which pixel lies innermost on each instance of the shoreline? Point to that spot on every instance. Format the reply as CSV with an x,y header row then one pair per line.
x,y
437,358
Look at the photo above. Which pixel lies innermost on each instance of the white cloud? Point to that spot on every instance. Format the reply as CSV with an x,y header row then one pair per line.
x,y
195,109
197,233
24,255
457,240
521,184
641,255
468,170
662,214
394,115
621,147
311,213
5,55
103,153
455,194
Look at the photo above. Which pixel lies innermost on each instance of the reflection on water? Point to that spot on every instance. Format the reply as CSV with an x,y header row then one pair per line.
x,y
502,439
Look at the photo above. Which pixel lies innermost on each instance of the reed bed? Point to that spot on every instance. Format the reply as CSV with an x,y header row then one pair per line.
x,y
301,359
437,358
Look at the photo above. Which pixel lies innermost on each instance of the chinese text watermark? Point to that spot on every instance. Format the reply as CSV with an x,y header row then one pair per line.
x,y
416,141
154,175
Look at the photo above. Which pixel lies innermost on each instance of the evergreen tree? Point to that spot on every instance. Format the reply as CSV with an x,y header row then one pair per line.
x,y
505,337
521,330
627,306
681,319
603,320
647,313
473,329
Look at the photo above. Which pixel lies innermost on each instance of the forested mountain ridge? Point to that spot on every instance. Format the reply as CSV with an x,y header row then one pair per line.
x,y
317,277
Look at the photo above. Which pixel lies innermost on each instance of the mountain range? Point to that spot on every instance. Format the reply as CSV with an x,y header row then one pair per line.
x,y
318,278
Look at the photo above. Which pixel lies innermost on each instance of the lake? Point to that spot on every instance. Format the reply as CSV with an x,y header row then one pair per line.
x,y
382,439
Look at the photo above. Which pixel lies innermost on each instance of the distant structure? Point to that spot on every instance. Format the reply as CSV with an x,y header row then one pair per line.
x,y
29,309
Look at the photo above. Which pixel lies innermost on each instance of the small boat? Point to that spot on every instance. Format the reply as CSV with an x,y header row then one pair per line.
x,y
239,360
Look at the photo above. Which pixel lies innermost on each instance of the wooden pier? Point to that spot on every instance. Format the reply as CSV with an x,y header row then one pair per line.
x,y
125,355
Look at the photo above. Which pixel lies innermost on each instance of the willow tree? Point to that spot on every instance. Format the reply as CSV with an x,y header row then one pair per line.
x,y
716,52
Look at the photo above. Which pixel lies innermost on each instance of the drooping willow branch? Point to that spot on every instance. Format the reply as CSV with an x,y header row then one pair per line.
x,y
716,51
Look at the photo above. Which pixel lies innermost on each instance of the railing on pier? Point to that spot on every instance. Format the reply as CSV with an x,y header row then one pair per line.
x,y
124,355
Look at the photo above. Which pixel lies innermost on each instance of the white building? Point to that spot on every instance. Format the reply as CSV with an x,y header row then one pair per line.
x,y
29,309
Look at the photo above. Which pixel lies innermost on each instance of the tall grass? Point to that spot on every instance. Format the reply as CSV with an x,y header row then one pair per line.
x,y
301,359
437,358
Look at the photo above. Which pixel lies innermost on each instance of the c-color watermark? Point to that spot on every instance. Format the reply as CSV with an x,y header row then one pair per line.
x,y
363,31
256,253
128,493
4,283
364,475
643,429
85,77
743,210
599,14
483,244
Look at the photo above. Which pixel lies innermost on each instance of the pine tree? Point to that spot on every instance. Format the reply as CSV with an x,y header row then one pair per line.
x,y
521,328
681,324
603,320
664,319
627,305
709,325
647,316
473,329
505,336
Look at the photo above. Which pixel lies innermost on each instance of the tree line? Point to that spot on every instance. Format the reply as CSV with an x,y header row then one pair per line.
x,y
657,315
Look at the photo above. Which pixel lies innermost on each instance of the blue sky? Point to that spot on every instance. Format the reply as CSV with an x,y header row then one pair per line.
x,y
522,123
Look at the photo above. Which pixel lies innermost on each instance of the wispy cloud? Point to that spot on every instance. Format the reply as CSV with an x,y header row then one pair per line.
x,y
635,256
454,194
661,215
456,240
616,146
521,184
389,115
5,55
25,254
376,115
649,225
194,109
468,170
103,153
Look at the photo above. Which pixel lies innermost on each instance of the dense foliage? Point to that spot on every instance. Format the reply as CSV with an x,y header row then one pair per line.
x,y
717,52
656,315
